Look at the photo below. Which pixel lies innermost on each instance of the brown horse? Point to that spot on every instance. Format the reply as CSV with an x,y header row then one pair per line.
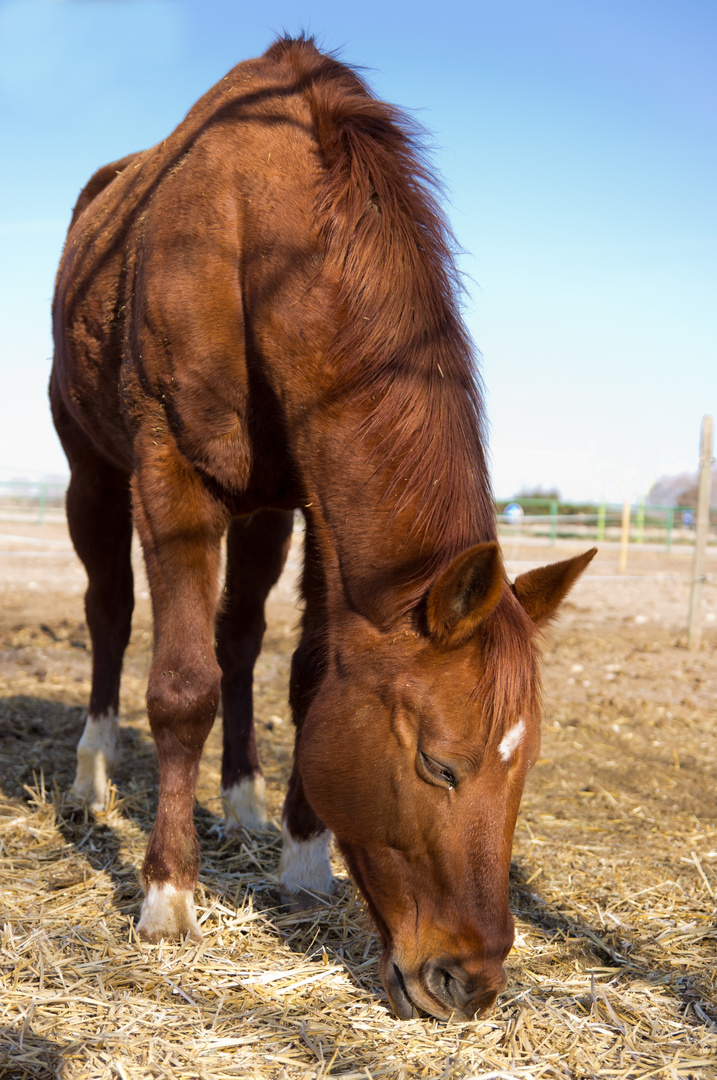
x,y
260,314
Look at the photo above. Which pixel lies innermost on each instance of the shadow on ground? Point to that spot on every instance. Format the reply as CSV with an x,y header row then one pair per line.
x,y
39,737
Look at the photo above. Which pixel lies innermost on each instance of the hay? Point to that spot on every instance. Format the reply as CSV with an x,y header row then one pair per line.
x,y
267,994
613,887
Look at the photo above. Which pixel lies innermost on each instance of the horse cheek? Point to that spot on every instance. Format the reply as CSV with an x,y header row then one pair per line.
x,y
347,778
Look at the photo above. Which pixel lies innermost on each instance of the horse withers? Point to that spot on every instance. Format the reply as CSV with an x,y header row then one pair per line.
x,y
259,314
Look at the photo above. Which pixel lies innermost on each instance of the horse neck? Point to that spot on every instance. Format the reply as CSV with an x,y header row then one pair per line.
x,y
381,526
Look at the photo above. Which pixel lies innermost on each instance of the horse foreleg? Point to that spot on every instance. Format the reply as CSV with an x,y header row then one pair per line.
x,y
100,521
305,874
304,867
257,547
180,526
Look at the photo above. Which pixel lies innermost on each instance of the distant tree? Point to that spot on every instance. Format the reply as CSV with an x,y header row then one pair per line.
x,y
538,493
679,490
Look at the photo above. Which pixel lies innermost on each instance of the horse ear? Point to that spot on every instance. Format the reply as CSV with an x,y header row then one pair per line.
x,y
465,593
541,591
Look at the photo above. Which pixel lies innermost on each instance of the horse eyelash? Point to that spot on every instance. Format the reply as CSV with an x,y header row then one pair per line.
x,y
440,772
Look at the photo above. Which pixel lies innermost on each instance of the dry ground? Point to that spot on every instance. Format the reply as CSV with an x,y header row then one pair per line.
x,y
614,868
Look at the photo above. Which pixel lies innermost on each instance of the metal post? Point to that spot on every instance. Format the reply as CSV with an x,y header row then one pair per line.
x,y
601,522
553,520
694,629
640,522
624,535
670,523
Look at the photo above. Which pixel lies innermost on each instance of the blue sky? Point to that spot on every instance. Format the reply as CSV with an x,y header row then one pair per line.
x,y
578,147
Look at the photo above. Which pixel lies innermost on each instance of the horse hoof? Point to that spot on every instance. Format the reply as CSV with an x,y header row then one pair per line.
x,y
154,937
85,796
168,913
294,902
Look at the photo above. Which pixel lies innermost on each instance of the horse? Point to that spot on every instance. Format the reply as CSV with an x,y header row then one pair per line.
x,y
259,314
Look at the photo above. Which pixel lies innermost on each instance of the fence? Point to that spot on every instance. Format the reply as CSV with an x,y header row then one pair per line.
x,y
541,519
550,520
32,500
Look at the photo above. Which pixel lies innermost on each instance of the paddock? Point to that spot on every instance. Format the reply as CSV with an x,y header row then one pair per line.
x,y
614,872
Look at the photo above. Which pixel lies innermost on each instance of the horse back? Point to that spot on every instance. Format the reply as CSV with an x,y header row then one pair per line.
x,y
191,288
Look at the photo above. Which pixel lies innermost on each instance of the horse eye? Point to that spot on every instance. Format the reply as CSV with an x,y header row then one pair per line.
x,y
437,771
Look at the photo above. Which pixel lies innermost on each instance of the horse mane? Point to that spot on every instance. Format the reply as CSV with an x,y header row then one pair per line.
x,y
400,351
510,685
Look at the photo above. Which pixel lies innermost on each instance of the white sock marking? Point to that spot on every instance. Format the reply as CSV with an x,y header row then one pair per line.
x,y
245,804
97,754
304,864
168,913
511,740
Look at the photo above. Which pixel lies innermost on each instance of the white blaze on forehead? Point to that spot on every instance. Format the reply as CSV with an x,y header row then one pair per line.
x,y
511,740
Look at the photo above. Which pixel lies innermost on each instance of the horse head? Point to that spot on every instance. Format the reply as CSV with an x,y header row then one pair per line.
x,y
415,751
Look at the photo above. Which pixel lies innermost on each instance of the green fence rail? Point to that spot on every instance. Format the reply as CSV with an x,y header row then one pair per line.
x,y
549,519
31,500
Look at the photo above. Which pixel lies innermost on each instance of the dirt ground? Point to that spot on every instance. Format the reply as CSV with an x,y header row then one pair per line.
x,y
615,858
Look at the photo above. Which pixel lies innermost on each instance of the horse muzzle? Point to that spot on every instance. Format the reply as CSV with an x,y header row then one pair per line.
x,y
440,988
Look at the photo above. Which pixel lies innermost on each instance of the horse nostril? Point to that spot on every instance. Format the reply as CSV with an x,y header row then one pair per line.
x,y
449,985
456,989
444,986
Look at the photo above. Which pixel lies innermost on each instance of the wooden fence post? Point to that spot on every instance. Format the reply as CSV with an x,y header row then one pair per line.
x,y
694,628
624,535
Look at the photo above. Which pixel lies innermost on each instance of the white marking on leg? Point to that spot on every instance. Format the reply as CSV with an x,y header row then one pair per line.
x,y
97,754
511,741
304,864
168,913
245,804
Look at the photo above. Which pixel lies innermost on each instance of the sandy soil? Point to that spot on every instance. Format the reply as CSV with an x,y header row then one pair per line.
x,y
626,704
